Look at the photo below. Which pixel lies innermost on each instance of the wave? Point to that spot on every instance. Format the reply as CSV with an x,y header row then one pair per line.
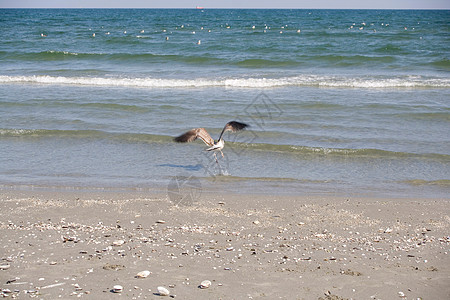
x,y
321,151
442,64
390,49
46,55
323,81
421,182
266,63
233,178
52,55
95,105
303,151
353,59
385,55
83,134
435,116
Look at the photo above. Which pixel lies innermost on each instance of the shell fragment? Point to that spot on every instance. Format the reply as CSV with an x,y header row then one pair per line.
x,y
118,242
143,274
162,291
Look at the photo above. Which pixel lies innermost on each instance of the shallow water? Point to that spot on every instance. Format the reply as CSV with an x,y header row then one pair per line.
x,y
356,102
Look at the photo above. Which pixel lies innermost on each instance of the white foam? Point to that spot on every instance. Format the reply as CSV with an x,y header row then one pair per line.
x,y
62,52
301,80
17,132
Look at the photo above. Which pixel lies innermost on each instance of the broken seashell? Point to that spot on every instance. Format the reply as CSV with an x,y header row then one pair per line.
x,y
205,284
143,274
113,267
118,243
117,289
5,267
162,291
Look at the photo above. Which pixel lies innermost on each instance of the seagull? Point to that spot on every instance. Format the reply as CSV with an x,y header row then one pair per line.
x,y
201,133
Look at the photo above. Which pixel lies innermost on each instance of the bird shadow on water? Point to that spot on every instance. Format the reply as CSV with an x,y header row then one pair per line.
x,y
207,163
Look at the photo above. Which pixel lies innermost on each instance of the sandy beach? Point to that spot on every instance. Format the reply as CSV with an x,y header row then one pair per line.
x,y
84,243
338,188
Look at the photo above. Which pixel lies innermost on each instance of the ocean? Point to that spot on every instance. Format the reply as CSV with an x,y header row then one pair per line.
x,y
340,102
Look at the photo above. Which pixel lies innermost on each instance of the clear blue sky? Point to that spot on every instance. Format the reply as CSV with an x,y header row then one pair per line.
x,y
376,4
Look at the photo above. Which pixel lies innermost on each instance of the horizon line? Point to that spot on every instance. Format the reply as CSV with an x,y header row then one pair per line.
x,y
236,8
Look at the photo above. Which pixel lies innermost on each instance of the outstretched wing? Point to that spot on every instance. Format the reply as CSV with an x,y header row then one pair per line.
x,y
233,126
193,134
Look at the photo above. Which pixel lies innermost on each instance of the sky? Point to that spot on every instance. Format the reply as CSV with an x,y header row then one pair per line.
x,y
336,4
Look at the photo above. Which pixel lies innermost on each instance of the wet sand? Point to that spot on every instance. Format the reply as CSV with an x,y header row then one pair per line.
x,y
81,244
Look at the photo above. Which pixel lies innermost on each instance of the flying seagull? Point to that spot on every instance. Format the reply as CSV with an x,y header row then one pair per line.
x,y
201,133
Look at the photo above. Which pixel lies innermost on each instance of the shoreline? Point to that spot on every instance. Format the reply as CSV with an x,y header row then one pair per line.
x,y
226,184
66,244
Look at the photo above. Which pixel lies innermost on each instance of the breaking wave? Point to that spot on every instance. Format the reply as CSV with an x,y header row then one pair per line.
x,y
364,82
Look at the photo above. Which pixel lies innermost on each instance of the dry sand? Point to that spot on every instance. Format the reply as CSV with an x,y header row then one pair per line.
x,y
79,244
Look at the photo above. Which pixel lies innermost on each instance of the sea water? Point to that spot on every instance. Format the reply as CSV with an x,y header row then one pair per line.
x,y
338,101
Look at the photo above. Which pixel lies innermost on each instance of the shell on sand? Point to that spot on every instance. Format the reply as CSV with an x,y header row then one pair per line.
x,y
143,274
205,284
118,242
162,291
117,289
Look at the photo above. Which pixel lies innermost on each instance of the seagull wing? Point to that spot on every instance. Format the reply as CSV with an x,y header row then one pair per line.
x,y
204,135
233,126
193,134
